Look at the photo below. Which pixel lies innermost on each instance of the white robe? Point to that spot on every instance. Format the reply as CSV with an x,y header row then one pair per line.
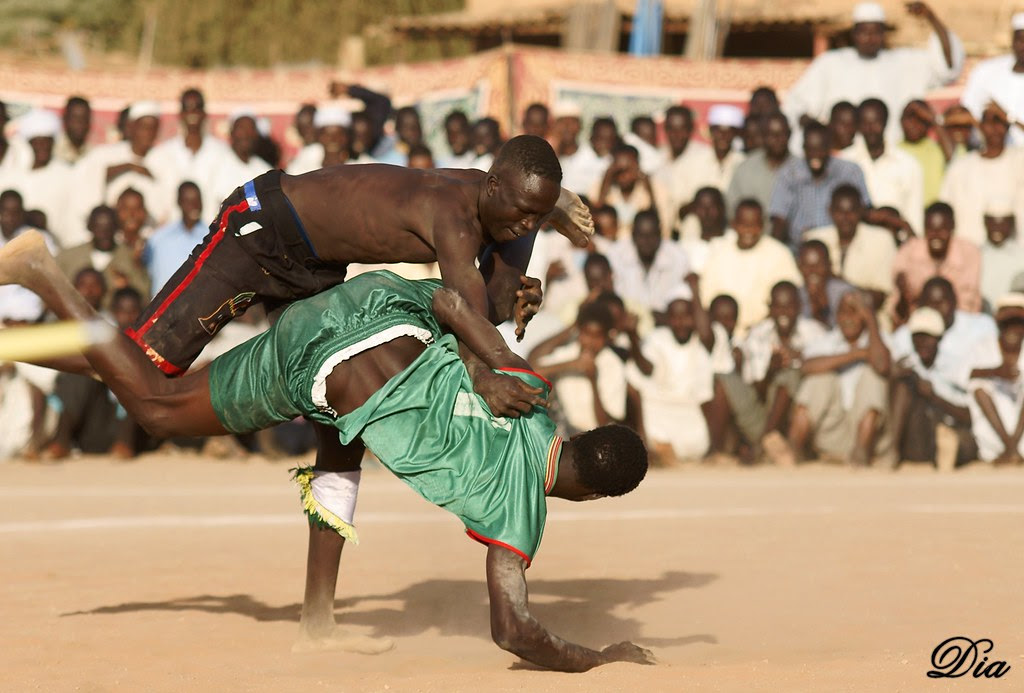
x,y
995,80
175,163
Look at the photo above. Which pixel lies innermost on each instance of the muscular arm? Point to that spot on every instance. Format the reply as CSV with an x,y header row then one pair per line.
x,y
514,629
454,312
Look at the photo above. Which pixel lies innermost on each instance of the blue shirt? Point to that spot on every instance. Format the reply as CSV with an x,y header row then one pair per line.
x,y
803,201
167,250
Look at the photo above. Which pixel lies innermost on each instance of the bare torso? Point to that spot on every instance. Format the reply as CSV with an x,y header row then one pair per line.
x,y
375,213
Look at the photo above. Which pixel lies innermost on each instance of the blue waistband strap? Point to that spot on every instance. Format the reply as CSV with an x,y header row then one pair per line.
x,y
250,196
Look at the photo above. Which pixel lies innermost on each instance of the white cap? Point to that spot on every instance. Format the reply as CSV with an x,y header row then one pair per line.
x,y
242,112
263,126
1010,300
999,207
725,115
566,109
39,123
926,320
329,114
1017,22
868,12
680,292
142,109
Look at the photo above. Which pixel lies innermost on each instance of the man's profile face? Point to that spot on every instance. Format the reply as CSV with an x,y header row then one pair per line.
x,y
871,123
816,152
784,309
937,297
868,38
748,225
646,238
927,348
77,121
846,211
679,318
678,130
938,232
515,203
103,226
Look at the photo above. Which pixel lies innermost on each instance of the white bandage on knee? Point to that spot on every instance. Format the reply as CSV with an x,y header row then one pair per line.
x,y
329,499
337,491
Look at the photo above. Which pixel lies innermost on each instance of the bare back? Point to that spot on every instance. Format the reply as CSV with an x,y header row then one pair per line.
x,y
376,213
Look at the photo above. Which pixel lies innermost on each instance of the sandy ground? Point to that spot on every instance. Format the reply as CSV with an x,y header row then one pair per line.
x,y
184,574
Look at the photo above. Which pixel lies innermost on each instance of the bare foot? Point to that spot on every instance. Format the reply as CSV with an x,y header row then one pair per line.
x,y
23,257
778,450
344,641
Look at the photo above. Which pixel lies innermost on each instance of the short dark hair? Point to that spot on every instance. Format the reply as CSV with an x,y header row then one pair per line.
x,y
784,285
875,103
126,293
682,110
76,101
765,91
610,460
192,91
537,106
816,127
724,298
420,150
187,184
531,155
647,214
597,259
12,193
637,120
605,209
940,208
626,149
456,115
604,121
610,298
841,106
942,283
128,192
407,111
814,244
97,211
714,192
749,203
847,190
598,313
90,270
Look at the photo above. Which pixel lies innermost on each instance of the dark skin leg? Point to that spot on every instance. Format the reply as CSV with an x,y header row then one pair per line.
x,y
899,409
716,412
867,429
777,412
799,430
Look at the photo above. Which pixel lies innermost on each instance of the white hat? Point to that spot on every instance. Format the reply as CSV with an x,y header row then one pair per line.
x,y
39,123
725,115
142,109
680,292
566,109
1010,300
263,126
926,320
999,207
868,12
1017,22
329,114
242,112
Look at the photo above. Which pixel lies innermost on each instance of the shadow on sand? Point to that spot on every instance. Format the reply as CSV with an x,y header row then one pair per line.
x,y
578,610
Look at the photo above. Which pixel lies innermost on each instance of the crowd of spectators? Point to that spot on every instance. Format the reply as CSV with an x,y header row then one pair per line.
x,y
836,274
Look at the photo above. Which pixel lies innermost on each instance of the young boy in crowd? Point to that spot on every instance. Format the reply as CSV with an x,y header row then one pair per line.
x,y
843,400
997,388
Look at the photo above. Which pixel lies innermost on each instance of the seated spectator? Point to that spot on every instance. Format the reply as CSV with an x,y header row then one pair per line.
x,y
17,304
843,400
47,184
725,122
861,254
333,141
917,120
821,291
73,142
997,388
606,227
723,313
1002,255
114,261
977,179
589,377
893,177
457,133
940,429
626,187
842,126
755,177
134,221
760,394
708,207
643,134
421,157
90,418
689,165
585,168
671,369
803,189
959,124
999,79
172,244
24,412
235,167
15,154
747,265
598,279
565,140
939,253
486,138
408,134
647,267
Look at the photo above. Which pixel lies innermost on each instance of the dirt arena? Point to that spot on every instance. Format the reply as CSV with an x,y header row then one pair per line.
x,y
185,574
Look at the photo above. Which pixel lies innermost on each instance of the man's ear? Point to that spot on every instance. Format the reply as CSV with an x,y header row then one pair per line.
x,y
492,184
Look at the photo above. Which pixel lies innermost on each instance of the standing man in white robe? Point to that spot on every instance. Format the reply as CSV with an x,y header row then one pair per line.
x,y
1001,79
240,164
47,185
869,69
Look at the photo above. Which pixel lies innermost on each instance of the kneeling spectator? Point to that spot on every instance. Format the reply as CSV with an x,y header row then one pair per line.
x,y
672,372
589,377
842,402
997,393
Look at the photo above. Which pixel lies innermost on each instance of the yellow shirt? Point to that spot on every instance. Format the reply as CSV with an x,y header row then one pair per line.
x,y
933,165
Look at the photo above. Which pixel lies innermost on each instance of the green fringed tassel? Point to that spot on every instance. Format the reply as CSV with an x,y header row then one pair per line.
x,y
318,515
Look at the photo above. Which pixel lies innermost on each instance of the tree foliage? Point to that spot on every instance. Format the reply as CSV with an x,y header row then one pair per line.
x,y
208,33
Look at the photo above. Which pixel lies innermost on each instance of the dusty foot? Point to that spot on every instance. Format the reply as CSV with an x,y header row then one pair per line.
x,y
778,450
344,641
23,257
